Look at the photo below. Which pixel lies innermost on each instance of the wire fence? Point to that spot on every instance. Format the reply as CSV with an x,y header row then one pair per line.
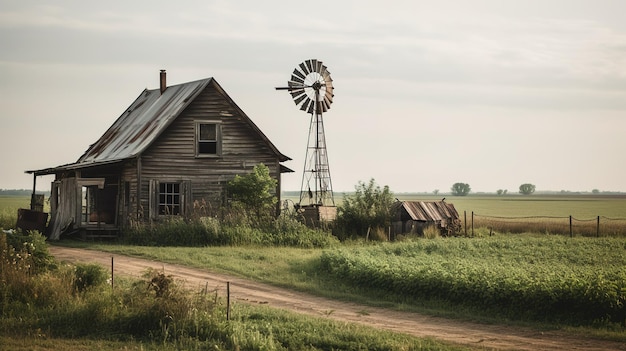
x,y
599,226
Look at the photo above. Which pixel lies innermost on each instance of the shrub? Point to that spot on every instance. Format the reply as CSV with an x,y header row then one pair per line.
x,y
88,275
432,232
368,209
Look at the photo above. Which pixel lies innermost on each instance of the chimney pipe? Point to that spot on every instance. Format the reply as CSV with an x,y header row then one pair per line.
x,y
163,81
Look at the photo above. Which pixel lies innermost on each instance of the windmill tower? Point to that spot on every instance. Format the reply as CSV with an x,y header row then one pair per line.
x,y
311,88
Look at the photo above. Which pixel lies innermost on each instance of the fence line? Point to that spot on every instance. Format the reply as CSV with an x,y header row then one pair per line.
x,y
604,226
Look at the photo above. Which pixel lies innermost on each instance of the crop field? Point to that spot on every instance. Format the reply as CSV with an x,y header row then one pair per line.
x,y
535,277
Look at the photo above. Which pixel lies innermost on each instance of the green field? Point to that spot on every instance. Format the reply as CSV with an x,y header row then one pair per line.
x,y
509,213
539,280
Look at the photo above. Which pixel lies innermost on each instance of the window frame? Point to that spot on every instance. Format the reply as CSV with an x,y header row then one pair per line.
x,y
217,141
184,192
168,199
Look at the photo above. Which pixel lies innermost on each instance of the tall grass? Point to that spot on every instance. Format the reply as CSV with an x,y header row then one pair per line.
x,y
552,225
76,302
208,231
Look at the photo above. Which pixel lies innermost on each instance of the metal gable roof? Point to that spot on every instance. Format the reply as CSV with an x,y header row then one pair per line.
x,y
143,121
428,211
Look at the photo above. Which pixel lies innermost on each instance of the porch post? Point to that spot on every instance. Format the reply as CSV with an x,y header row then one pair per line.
x,y
32,195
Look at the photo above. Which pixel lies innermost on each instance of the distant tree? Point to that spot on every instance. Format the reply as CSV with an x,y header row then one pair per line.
x,y
500,192
255,191
595,191
505,191
368,208
436,191
460,189
526,189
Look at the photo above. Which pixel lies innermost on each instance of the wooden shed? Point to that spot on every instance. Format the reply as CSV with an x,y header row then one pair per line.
x,y
412,217
172,147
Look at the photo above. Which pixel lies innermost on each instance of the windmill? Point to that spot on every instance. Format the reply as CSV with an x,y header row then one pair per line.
x,y
311,88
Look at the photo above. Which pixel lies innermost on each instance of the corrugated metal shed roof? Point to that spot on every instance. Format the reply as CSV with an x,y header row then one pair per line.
x,y
143,121
428,211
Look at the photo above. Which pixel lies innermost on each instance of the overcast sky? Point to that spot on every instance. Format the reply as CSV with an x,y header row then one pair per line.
x,y
427,93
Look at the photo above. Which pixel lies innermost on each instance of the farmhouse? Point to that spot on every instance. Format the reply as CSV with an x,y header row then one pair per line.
x,y
172,149
412,217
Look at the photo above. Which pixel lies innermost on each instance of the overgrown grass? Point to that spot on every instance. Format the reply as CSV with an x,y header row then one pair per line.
x,y
501,279
8,209
74,303
611,227
208,231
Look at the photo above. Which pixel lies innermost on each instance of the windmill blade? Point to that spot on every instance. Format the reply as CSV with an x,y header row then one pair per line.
x,y
328,99
327,78
304,69
297,79
299,99
296,95
324,70
330,90
319,66
309,66
297,74
310,109
295,85
314,66
305,104
326,105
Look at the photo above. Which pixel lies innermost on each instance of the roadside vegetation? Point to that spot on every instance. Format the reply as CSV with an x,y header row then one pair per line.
x,y
47,304
533,277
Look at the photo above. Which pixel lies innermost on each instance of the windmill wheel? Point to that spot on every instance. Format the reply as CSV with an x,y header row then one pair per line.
x,y
310,86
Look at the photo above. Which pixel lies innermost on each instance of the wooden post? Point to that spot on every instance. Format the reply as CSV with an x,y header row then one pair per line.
x,y
598,227
227,301
571,231
112,273
472,223
465,221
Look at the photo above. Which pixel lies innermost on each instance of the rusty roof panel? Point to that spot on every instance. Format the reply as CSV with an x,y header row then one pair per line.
x,y
142,122
428,211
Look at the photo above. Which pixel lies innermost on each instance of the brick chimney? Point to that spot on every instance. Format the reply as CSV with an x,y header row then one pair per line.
x,y
163,81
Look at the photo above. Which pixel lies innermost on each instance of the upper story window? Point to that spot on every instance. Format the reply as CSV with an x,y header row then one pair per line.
x,y
208,139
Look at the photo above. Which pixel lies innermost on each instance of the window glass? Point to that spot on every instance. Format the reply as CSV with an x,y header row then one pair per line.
x,y
169,199
207,139
208,132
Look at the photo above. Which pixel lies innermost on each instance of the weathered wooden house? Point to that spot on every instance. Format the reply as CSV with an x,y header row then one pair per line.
x,y
412,217
172,147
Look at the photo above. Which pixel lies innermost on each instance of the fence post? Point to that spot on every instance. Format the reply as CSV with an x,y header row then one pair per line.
x,y
472,223
571,231
227,301
111,272
465,221
598,227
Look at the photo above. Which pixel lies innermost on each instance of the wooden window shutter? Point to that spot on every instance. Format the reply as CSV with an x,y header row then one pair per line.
x,y
153,199
186,201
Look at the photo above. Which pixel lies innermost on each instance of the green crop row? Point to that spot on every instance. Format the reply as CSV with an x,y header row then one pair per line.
x,y
549,278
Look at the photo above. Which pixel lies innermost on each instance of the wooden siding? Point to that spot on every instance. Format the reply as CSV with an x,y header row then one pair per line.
x,y
172,158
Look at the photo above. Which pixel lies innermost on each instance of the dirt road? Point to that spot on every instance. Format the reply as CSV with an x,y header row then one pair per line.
x,y
475,335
